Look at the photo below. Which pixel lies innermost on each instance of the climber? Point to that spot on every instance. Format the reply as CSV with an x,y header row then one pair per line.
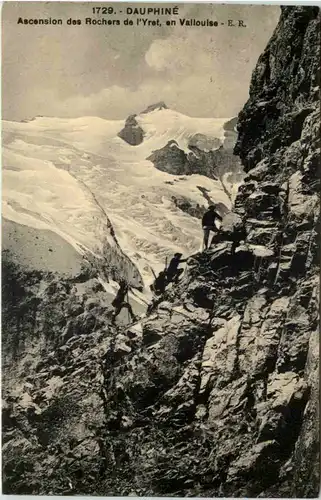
x,y
159,285
172,272
209,223
119,301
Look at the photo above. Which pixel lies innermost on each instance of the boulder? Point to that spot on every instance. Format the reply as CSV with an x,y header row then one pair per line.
x,y
232,228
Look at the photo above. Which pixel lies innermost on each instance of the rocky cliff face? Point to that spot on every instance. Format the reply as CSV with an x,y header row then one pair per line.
x,y
215,393
171,159
206,156
55,331
220,396
132,132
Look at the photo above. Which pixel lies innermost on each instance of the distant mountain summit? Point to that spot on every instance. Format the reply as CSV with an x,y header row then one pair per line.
x,y
183,145
132,132
155,107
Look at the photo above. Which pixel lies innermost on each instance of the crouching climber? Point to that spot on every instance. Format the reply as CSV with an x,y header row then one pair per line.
x,y
159,285
120,302
209,223
173,273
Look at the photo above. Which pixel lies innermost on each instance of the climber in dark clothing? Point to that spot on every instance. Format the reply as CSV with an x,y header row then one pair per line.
x,y
208,223
159,285
173,273
119,301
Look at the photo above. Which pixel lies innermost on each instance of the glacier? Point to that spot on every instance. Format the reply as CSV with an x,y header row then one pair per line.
x,y
71,175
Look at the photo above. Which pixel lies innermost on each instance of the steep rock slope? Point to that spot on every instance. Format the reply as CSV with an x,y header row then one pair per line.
x,y
61,253
220,396
55,331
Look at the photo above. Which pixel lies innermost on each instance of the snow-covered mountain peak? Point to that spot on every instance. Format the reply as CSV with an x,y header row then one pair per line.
x,y
71,175
161,125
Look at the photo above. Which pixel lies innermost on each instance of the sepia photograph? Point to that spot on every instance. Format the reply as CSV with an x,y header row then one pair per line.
x,y
160,249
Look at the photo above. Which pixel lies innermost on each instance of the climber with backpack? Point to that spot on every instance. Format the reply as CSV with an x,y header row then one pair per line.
x,y
209,223
120,302
159,285
158,288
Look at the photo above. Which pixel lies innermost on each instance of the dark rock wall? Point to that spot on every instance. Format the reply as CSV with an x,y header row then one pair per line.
x,y
211,163
132,132
54,331
284,90
279,144
171,159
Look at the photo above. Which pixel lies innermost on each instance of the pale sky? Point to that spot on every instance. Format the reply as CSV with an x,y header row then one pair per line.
x,y
114,71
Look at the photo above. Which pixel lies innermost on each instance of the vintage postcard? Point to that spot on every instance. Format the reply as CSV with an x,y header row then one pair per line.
x,y
160,249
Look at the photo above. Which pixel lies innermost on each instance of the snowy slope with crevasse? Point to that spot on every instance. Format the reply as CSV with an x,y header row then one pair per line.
x,y
67,175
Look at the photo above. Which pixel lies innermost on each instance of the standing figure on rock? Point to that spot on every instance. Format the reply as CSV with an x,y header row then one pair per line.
x,y
209,223
173,273
120,302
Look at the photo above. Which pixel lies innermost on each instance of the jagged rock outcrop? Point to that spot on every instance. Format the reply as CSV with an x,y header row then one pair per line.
x,y
215,393
171,159
132,132
154,107
206,156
